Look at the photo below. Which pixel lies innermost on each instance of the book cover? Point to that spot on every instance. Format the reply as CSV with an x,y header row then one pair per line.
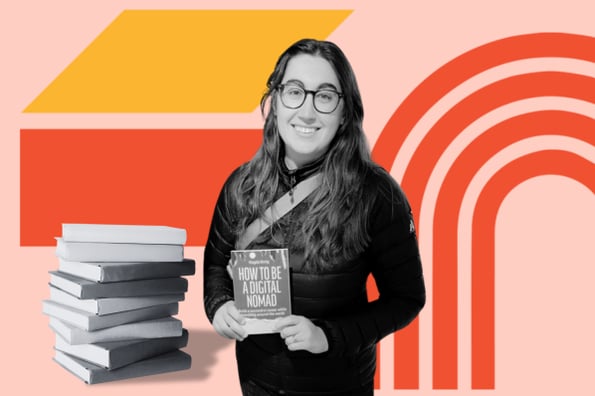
x,y
116,354
97,251
86,289
94,374
106,272
261,287
120,233
154,328
109,305
90,322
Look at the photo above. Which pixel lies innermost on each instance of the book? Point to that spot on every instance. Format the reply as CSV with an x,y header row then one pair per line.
x,y
90,322
85,289
118,233
116,354
109,305
93,374
97,251
105,272
261,287
154,328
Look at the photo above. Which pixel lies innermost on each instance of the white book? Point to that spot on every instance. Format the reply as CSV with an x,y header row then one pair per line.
x,y
262,291
90,322
120,233
154,328
116,252
109,305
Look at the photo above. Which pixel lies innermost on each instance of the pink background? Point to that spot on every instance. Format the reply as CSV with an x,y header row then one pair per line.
x,y
545,230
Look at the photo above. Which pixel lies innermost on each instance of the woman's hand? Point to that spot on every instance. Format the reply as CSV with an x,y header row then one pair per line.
x,y
228,322
300,333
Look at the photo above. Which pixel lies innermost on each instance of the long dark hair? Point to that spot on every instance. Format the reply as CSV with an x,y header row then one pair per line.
x,y
336,226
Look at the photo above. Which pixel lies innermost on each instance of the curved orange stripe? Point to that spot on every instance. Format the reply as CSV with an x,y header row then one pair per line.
x,y
479,103
448,205
484,224
467,65
419,171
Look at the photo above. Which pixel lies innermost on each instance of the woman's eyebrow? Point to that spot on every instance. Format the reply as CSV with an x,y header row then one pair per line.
x,y
323,85
328,85
295,82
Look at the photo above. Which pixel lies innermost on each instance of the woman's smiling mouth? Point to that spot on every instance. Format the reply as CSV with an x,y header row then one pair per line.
x,y
303,130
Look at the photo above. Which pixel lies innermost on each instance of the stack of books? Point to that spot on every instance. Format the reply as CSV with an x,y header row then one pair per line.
x,y
113,298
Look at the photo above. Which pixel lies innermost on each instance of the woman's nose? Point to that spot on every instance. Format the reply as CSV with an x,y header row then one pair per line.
x,y
307,111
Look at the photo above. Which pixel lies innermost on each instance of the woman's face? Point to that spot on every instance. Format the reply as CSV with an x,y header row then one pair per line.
x,y
306,132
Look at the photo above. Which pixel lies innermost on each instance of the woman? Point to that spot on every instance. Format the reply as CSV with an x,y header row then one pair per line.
x,y
357,222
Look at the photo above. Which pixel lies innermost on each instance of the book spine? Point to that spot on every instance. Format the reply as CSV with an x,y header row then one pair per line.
x,y
66,285
85,289
89,271
116,252
136,288
168,362
117,233
64,298
108,306
146,270
155,328
93,374
95,322
136,351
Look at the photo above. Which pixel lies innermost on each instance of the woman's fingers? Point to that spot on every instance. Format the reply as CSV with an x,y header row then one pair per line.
x,y
299,333
228,322
235,314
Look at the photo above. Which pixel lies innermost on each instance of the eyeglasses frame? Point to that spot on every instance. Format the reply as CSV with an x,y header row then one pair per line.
x,y
309,91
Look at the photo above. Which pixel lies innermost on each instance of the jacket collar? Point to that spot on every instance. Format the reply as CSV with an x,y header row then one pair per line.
x,y
293,176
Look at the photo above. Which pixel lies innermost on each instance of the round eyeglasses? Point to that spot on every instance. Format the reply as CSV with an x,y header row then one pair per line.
x,y
325,100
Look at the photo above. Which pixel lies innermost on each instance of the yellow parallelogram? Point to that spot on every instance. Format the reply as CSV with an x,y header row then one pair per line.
x,y
181,61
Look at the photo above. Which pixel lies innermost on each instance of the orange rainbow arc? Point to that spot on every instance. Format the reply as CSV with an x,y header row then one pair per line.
x,y
467,65
417,173
448,206
547,162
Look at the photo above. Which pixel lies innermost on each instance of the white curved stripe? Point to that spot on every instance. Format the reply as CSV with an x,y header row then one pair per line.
x,y
448,101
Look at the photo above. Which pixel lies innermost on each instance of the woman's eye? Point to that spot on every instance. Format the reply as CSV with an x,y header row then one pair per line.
x,y
294,92
325,96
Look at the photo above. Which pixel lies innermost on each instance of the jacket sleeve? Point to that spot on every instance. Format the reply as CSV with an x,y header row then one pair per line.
x,y
218,286
393,256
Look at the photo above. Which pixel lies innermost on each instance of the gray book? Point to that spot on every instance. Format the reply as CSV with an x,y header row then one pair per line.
x,y
85,289
93,374
110,305
116,354
105,272
153,328
88,321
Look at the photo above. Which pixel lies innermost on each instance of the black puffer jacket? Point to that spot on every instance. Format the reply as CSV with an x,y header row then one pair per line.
x,y
335,300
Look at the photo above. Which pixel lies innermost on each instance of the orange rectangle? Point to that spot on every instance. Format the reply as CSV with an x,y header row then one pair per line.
x,y
168,177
